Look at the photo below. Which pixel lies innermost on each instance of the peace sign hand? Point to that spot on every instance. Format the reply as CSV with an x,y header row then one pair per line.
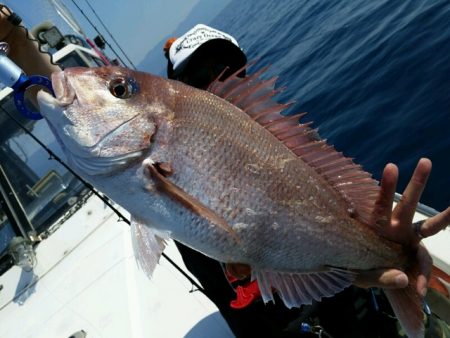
x,y
397,226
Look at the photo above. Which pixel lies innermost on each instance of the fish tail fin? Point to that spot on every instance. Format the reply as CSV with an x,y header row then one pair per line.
x,y
407,305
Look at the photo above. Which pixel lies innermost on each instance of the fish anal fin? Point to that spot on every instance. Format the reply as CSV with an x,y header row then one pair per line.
x,y
148,245
296,289
255,96
164,185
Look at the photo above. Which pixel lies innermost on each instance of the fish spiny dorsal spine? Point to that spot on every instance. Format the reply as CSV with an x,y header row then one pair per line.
x,y
255,97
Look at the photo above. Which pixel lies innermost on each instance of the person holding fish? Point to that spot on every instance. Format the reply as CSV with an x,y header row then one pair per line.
x,y
205,224
198,58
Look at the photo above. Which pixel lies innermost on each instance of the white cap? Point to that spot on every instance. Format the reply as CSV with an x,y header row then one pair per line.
x,y
183,47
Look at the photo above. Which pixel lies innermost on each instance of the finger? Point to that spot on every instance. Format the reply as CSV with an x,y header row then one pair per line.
x,y
435,224
5,27
383,205
382,278
406,207
425,265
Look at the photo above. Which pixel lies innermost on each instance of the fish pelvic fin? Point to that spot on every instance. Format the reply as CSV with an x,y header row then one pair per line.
x,y
407,305
296,289
255,96
148,245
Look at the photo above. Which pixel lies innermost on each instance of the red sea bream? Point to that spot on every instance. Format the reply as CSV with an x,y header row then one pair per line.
x,y
226,174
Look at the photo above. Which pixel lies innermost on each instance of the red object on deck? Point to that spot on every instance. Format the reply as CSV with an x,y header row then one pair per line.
x,y
245,295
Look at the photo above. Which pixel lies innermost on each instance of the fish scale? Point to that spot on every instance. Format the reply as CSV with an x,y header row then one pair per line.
x,y
245,184
245,144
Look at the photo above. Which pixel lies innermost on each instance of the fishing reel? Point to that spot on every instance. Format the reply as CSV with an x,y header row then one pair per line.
x,y
12,76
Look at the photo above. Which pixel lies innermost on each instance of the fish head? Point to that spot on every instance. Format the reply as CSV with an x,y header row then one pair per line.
x,y
104,118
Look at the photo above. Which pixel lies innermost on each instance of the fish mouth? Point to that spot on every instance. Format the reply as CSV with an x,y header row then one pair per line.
x,y
64,96
64,92
89,159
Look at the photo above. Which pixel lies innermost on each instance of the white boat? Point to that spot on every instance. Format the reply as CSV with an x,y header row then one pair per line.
x,y
79,277
84,280
438,246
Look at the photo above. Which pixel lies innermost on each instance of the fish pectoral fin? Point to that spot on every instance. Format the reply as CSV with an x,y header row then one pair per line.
x,y
148,245
296,289
188,201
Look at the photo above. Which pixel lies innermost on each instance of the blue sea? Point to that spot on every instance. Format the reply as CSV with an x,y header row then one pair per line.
x,y
373,75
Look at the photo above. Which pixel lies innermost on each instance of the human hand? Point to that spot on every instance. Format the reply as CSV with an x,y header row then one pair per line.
x,y
6,27
23,47
397,225
24,51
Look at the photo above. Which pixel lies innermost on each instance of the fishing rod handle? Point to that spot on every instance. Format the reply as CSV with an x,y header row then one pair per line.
x,y
12,76
9,72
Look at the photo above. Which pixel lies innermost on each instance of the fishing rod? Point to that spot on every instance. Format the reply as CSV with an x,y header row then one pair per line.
x,y
65,14
12,76
98,32
109,33
104,198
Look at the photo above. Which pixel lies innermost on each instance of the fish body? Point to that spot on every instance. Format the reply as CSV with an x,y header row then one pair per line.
x,y
240,186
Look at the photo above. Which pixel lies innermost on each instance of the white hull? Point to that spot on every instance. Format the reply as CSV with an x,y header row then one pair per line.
x,y
86,278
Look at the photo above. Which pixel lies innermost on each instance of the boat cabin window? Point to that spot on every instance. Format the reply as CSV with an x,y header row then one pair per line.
x,y
80,58
44,188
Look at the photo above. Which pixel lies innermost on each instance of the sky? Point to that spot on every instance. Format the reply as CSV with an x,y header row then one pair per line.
x,y
137,25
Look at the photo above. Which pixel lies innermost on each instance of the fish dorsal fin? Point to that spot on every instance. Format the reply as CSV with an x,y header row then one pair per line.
x,y
255,97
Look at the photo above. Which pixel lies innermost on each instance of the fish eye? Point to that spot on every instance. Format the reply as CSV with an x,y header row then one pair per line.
x,y
123,88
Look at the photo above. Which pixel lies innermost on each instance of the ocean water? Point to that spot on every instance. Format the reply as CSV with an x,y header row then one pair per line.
x,y
373,75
